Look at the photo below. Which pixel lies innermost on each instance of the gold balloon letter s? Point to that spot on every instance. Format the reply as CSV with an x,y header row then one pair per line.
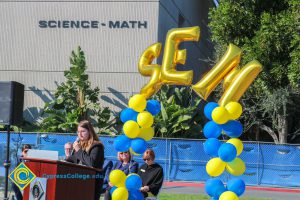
x,y
148,69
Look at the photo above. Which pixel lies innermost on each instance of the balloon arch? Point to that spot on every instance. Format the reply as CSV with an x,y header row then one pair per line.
x,y
138,118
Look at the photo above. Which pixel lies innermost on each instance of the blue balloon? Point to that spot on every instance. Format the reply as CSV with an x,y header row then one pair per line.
x,y
233,128
135,195
139,145
209,108
128,114
237,186
214,187
227,152
153,107
212,130
112,189
215,198
122,143
133,182
211,147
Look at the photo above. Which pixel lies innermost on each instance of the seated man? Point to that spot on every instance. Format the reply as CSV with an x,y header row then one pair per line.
x,y
68,149
151,174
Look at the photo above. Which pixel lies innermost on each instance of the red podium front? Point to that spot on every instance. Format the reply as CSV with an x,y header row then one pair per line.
x,y
65,181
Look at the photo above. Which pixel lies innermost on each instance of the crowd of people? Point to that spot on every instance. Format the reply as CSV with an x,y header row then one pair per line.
x,y
88,150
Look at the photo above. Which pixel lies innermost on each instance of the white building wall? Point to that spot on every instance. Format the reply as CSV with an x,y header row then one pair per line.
x,y
37,57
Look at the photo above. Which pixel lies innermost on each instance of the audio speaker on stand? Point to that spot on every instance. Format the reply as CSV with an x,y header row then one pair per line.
x,y
11,113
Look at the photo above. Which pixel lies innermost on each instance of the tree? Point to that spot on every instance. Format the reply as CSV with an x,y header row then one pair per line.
x,y
75,100
269,32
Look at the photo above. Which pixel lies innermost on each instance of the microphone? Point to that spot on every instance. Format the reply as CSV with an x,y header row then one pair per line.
x,y
73,150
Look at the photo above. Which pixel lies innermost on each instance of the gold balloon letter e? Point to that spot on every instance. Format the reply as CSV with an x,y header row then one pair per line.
x,y
172,56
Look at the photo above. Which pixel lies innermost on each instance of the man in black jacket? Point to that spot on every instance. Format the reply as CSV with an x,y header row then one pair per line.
x,y
151,174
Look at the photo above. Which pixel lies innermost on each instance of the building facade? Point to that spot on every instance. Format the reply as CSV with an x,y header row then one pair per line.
x,y
37,38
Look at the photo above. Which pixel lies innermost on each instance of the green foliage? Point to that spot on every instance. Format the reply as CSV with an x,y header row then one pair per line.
x,y
267,31
179,116
12,128
26,126
75,100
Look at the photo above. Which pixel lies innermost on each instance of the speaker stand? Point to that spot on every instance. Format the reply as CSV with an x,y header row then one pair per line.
x,y
7,163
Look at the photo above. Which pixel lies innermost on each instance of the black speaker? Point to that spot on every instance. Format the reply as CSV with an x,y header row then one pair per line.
x,y
11,102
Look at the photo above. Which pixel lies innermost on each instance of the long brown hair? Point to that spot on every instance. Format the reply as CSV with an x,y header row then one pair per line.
x,y
93,138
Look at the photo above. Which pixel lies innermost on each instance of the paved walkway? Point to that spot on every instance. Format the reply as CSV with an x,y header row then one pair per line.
x,y
271,193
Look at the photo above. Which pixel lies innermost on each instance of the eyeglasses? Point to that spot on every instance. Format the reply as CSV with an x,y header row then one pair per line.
x,y
147,159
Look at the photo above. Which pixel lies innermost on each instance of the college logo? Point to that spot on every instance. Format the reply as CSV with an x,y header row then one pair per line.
x,y
37,191
22,176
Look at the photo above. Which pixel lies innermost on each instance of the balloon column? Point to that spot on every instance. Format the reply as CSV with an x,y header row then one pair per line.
x,y
224,156
138,120
125,187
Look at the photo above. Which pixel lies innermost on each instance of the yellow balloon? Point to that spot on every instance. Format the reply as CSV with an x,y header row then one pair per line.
x,y
238,145
227,63
228,195
215,167
172,56
117,177
220,115
120,193
234,109
131,129
241,82
137,102
237,167
145,119
133,153
152,70
146,133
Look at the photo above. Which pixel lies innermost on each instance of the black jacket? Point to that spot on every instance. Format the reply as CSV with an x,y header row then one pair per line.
x,y
152,176
93,158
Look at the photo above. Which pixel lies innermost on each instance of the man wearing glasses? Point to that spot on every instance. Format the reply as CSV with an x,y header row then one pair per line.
x,y
151,174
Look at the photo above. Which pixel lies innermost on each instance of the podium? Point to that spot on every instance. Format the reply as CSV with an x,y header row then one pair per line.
x,y
65,181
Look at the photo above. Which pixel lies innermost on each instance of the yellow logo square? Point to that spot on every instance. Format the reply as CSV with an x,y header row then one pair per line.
x,y
22,176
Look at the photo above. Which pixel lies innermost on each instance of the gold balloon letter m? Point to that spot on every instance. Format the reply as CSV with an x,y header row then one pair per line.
x,y
236,81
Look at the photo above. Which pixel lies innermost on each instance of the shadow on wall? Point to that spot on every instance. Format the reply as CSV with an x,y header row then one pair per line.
x,y
33,114
118,99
